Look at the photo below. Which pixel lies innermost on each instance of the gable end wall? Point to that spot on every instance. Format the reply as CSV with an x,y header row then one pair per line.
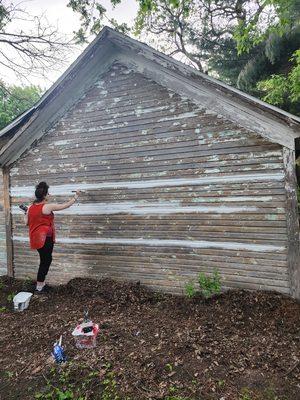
x,y
169,189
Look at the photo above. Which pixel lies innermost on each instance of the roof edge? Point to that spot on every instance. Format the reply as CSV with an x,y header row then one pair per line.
x,y
118,38
45,97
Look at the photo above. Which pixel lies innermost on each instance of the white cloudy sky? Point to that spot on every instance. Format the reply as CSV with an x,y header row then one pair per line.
x,y
58,14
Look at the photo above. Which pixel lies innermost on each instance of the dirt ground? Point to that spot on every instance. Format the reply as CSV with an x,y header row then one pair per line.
x,y
238,345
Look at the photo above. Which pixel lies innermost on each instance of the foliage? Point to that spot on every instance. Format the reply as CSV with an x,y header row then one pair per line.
x,y
92,13
15,100
61,386
245,395
208,285
11,296
190,289
283,90
270,17
239,41
110,386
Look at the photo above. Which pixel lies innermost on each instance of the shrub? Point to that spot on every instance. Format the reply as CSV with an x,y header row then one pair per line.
x,y
190,289
208,285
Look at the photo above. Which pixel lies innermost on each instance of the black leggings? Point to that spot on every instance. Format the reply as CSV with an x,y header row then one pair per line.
x,y
45,259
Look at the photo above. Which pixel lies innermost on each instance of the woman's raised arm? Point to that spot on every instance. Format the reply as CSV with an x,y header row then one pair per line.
x,y
48,208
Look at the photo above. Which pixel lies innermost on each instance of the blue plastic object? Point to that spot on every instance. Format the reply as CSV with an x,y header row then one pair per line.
x,y
58,352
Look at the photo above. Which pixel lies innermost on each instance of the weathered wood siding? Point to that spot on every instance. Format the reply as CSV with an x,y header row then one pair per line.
x,y
170,189
3,260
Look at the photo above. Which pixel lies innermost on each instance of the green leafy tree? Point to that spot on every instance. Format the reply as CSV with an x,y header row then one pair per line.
x,y
15,100
241,42
273,73
272,17
193,30
284,90
93,16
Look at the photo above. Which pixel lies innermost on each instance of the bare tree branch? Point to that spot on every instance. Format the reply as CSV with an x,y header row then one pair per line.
x,y
33,50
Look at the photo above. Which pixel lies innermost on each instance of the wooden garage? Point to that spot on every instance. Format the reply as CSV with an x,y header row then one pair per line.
x,y
179,174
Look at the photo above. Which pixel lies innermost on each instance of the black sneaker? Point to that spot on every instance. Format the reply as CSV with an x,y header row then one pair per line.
x,y
39,292
46,289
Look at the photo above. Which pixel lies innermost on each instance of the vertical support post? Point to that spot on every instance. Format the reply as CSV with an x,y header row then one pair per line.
x,y
8,221
292,218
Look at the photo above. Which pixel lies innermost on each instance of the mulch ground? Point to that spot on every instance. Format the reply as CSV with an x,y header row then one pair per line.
x,y
239,345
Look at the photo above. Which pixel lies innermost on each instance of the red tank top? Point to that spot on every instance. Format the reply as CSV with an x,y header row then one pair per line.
x,y
40,225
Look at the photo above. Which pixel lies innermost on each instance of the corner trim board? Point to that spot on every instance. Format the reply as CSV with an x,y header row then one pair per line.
x,y
8,221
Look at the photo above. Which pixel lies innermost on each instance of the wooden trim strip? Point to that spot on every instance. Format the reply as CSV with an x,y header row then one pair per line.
x,y
8,222
292,218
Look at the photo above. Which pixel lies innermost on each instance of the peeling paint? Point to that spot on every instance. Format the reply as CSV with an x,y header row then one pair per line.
x,y
148,208
197,244
179,116
19,191
62,142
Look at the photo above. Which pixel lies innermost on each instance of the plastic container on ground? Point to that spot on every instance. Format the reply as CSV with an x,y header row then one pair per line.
x,y
85,340
21,301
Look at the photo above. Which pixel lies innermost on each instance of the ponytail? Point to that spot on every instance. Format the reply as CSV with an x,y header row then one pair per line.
x,y
41,191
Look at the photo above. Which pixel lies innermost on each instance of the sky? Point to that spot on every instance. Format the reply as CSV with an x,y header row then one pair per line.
x,y
58,14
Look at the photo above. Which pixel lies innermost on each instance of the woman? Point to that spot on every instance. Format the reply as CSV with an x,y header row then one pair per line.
x,y
40,219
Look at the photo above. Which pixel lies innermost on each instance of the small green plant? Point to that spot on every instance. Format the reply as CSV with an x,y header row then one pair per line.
x,y
57,394
209,285
221,383
169,367
172,389
110,387
60,385
11,296
9,374
269,394
1,285
245,395
3,309
190,290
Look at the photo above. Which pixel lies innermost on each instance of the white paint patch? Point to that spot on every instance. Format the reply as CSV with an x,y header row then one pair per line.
x,y
147,208
139,111
179,116
212,171
197,244
99,84
62,142
62,190
233,199
14,171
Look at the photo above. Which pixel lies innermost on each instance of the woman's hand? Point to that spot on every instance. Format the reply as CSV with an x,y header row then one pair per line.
x,y
76,195
48,208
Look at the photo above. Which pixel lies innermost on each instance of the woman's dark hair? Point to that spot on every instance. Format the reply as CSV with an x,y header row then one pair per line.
x,y
41,191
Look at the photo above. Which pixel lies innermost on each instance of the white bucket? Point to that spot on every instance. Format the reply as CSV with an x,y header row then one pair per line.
x,y
21,301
